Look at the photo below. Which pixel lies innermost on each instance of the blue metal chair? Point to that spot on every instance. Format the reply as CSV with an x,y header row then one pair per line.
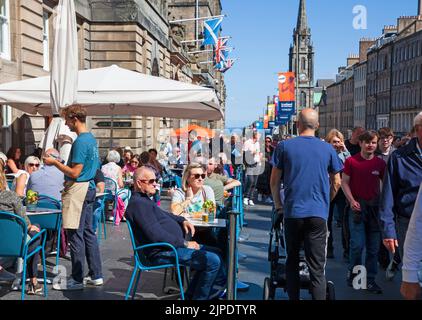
x,y
111,190
140,266
13,230
49,222
102,219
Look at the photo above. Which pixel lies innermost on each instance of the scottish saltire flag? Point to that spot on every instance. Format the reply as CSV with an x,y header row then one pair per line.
x,y
212,28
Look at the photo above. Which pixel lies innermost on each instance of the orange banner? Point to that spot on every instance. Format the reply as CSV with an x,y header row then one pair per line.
x,y
286,86
266,122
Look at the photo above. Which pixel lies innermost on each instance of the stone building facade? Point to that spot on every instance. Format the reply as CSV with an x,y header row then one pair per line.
x,y
389,92
406,90
133,34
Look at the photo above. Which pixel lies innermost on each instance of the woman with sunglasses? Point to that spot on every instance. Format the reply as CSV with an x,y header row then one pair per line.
x,y
131,166
190,198
20,182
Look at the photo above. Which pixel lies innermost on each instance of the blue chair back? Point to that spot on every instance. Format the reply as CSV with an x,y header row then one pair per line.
x,y
48,221
13,235
48,202
140,258
110,186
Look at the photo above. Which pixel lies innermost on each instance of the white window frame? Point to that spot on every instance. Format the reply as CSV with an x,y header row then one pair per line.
x,y
5,36
46,41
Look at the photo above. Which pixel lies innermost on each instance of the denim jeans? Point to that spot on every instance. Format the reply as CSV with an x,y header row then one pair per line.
x,y
250,184
365,234
210,272
83,243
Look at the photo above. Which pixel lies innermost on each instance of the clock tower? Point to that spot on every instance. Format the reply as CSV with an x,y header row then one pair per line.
x,y
302,60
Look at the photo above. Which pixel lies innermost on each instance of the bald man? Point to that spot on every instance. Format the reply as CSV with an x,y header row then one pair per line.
x,y
308,167
151,224
48,180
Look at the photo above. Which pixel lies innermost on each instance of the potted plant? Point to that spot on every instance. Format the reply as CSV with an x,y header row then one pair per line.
x,y
209,207
31,200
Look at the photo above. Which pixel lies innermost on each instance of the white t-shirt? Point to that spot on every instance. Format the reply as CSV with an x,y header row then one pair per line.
x,y
197,201
17,175
253,147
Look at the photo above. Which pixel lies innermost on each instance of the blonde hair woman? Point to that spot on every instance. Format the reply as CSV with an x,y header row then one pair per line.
x,y
336,139
190,198
22,176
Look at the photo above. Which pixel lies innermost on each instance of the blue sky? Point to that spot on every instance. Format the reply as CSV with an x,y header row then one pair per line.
x,y
262,33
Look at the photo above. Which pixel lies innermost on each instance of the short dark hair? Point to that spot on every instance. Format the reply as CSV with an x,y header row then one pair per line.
x,y
368,136
144,157
385,132
75,111
153,150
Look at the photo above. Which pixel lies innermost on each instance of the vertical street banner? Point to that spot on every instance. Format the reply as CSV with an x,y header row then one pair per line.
x,y
271,112
266,122
286,95
285,112
286,86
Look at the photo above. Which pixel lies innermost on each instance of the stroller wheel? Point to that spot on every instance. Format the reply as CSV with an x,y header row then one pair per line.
x,y
269,290
331,291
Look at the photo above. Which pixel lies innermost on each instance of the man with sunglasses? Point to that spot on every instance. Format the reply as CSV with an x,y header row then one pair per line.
x,y
151,224
48,180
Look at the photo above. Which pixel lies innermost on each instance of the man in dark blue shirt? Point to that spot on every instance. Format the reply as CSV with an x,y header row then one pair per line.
x,y
305,165
151,224
400,188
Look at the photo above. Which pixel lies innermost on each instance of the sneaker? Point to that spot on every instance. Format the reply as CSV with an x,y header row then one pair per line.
x,y
96,282
246,201
373,287
251,203
68,285
269,200
35,289
6,276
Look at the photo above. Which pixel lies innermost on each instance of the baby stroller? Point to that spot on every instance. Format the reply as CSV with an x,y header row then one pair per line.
x,y
277,258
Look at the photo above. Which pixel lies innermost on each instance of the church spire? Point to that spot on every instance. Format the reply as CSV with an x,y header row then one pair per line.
x,y
302,19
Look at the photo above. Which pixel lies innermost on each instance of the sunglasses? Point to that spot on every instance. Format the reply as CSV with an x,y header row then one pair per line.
x,y
135,162
267,141
34,165
150,181
197,176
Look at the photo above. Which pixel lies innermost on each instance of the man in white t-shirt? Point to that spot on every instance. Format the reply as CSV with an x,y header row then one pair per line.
x,y
252,159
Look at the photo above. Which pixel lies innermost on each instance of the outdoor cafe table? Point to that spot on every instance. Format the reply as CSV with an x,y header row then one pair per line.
x,y
217,223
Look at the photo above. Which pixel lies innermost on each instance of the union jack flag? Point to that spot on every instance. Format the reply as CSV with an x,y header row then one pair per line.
x,y
221,51
212,28
227,65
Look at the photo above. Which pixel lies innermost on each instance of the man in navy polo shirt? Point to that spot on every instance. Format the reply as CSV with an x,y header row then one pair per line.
x,y
307,166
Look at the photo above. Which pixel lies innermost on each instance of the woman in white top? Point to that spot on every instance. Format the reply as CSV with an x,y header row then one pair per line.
x,y
22,176
193,194
112,170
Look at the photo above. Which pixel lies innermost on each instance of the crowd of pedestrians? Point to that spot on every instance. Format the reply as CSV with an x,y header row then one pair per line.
x,y
367,186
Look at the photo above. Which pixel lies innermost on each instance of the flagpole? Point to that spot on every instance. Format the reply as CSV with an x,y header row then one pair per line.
x,y
199,40
194,19
197,23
